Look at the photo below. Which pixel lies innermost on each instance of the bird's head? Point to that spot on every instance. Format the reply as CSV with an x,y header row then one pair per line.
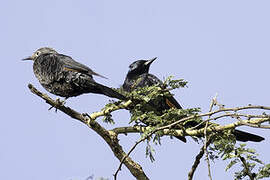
x,y
40,51
140,66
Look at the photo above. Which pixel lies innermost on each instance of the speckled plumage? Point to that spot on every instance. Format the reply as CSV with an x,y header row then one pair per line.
x,y
61,75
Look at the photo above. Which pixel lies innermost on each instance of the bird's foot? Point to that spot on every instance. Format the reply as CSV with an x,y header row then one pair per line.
x,y
58,103
87,118
86,115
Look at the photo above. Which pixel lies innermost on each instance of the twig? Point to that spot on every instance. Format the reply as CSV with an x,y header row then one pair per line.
x,y
219,111
110,109
206,152
250,175
197,161
213,102
228,114
257,125
166,130
127,155
141,129
131,149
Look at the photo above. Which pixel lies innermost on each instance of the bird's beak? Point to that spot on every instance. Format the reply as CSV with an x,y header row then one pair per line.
x,y
28,58
147,63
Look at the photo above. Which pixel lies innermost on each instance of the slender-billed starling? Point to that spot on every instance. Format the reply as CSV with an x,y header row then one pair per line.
x,y
61,75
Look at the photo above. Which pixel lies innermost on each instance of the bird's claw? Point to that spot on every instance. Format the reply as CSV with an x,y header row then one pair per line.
x,y
86,115
58,103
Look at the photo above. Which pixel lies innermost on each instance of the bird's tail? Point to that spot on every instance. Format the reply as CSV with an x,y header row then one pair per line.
x,y
101,89
239,135
181,138
245,136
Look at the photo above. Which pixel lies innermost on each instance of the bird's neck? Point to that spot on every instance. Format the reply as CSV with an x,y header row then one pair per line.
x,y
132,75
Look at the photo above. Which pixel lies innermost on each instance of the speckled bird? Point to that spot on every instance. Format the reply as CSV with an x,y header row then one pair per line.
x,y
139,76
61,75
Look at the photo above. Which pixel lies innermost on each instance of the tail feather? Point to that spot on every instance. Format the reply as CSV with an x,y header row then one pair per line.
x,y
110,92
181,138
245,136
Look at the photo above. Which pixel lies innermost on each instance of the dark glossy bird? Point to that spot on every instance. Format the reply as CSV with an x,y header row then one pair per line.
x,y
61,75
138,76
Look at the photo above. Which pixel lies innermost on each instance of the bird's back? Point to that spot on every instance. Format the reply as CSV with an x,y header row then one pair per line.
x,y
143,80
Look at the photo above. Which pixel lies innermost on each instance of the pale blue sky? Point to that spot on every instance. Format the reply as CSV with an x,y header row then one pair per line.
x,y
218,46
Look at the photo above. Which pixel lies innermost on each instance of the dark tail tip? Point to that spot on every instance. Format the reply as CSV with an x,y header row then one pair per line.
x,y
181,138
245,136
112,93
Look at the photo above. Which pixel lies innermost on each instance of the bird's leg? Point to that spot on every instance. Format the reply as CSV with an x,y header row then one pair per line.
x,y
88,118
86,115
58,103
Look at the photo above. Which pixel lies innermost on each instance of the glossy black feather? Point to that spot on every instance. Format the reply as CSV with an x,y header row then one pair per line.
x,y
138,76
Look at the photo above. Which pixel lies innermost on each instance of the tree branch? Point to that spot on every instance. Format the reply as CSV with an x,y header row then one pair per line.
x,y
212,104
167,130
250,175
197,160
108,110
109,136
126,156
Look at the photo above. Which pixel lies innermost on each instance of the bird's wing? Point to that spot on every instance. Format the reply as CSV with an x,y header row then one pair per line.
x,y
172,103
150,80
72,65
146,80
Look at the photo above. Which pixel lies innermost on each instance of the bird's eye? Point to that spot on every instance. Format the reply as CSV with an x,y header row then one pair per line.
x,y
37,53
